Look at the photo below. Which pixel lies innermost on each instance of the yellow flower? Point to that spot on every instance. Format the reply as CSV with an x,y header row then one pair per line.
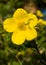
x,y
22,25
39,13
41,21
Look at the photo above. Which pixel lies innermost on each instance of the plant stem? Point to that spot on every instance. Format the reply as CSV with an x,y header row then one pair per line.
x,y
20,63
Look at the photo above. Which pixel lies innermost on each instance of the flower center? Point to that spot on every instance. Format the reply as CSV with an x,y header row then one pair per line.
x,y
22,26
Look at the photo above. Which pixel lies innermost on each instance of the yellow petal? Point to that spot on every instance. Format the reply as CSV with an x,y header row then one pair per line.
x,y
19,14
39,13
41,21
9,25
33,20
18,38
31,34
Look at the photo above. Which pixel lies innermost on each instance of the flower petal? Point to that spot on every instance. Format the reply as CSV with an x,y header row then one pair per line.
x,y
41,21
19,14
9,25
31,34
39,13
18,38
33,20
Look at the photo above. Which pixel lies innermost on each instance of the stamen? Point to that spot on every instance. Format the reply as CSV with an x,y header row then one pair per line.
x,y
21,26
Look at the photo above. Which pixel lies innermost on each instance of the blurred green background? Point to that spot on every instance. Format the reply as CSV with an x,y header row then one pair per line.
x,y
31,52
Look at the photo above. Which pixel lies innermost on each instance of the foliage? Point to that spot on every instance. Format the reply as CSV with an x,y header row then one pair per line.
x,y
31,52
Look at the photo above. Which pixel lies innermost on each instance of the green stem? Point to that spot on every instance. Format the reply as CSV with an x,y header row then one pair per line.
x,y
20,63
